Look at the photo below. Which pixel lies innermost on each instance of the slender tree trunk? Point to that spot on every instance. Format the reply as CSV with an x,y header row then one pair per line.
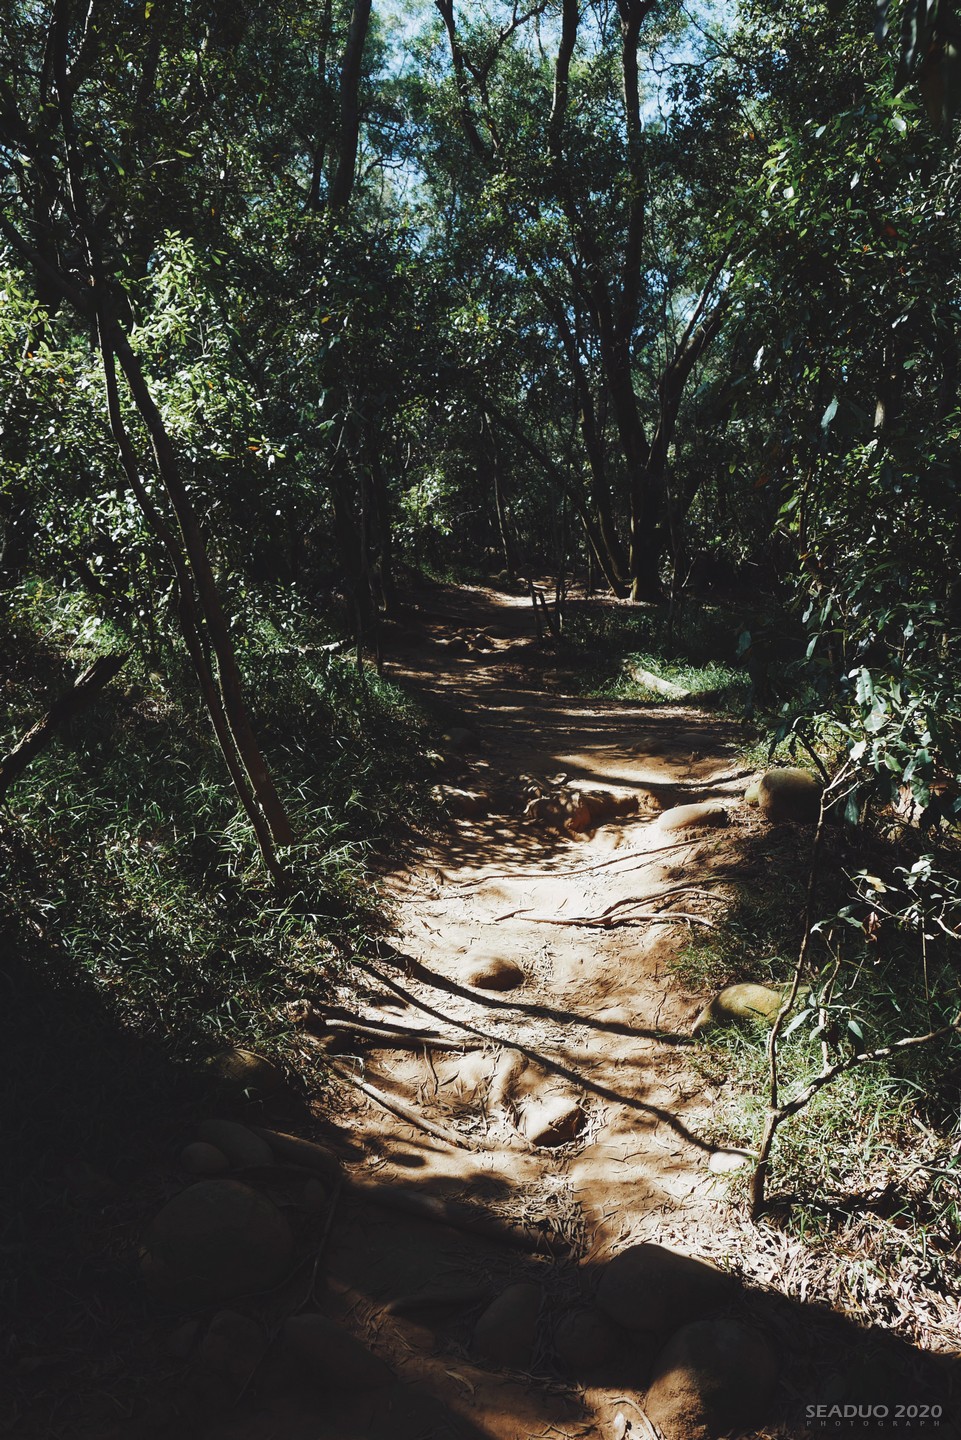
x,y
342,185
187,551
499,505
84,691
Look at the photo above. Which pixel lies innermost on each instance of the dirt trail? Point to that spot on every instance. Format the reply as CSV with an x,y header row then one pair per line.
x,y
505,1144
590,1042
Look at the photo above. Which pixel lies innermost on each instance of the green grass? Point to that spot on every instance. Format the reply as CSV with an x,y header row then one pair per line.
x,y
882,1135
698,650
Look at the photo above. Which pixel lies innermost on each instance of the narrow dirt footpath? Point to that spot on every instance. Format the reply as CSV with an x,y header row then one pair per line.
x,y
542,1081
503,1250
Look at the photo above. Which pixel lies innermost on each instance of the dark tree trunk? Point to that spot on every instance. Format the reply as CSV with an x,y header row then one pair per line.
x,y
342,186
84,691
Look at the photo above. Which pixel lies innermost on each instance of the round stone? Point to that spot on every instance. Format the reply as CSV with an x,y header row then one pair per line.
x,y
506,1333
652,1289
714,1377
203,1159
585,1341
693,817
246,1075
497,973
789,794
215,1240
746,1001
240,1145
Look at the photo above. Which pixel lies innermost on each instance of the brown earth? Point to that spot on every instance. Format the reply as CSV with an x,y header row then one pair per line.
x,y
559,1105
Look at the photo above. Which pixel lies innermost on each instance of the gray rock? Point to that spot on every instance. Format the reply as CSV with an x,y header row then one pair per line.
x,y
202,1159
553,1121
790,794
585,1340
331,1355
215,1240
692,817
240,1145
506,1333
652,1289
496,973
712,1378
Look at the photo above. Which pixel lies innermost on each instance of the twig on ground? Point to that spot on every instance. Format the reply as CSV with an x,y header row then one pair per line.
x,y
618,905
607,922
402,1037
407,1113
639,855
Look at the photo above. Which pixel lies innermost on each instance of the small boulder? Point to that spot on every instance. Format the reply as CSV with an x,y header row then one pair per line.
x,y
333,1356
459,738
790,794
585,1341
652,1289
752,793
560,810
605,805
497,973
506,1333
203,1159
215,1240
713,1377
314,1196
245,1075
739,1002
553,1121
724,1162
240,1145
692,817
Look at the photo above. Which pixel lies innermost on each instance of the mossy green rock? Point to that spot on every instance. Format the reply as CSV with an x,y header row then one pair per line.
x,y
215,1240
244,1074
790,794
740,1002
